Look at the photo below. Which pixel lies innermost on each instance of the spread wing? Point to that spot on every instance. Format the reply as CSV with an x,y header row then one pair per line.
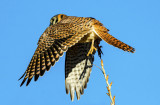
x,y
77,69
55,40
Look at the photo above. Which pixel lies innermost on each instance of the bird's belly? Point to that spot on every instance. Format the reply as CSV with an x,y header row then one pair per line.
x,y
89,37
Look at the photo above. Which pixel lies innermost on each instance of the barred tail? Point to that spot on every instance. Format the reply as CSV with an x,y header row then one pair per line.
x,y
103,34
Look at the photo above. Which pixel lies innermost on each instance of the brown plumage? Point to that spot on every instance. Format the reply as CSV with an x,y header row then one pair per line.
x,y
80,37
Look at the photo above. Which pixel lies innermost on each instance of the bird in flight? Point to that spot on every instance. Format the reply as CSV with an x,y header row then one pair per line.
x,y
79,37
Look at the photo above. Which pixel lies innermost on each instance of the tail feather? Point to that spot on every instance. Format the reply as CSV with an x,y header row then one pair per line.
x,y
103,33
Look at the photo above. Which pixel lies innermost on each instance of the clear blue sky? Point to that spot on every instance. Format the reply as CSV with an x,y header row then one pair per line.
x,y
135,77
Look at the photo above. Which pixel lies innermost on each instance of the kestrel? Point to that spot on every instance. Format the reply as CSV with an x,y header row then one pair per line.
x,y
79,37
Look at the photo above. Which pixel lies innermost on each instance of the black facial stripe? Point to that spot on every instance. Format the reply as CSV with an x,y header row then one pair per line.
x,y
56,20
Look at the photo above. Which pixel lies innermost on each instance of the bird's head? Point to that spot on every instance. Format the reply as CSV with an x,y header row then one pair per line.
x,y
57,18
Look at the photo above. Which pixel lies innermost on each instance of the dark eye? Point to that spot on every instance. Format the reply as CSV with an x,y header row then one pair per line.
x,y
61,16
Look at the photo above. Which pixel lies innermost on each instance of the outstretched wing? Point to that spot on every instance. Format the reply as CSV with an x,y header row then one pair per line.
x,y
53,42
78,68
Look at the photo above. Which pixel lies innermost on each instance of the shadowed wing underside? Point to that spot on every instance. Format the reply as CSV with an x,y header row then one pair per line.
x,y
77,69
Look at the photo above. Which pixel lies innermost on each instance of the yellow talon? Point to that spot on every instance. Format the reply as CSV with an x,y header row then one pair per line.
x,y
91,49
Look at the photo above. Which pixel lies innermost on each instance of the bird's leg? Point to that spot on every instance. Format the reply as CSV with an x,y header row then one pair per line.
x,y
99,51
92,48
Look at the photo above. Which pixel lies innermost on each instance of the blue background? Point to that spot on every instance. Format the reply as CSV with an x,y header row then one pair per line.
x,y
135,76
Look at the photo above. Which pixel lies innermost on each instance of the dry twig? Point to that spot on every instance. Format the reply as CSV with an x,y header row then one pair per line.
x,y
108,85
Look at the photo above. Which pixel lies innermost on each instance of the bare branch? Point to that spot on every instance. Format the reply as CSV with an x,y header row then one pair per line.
x,y
108,84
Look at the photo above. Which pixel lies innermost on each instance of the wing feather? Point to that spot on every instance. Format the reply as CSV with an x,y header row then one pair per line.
x,y
55,40
77,69
47,60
